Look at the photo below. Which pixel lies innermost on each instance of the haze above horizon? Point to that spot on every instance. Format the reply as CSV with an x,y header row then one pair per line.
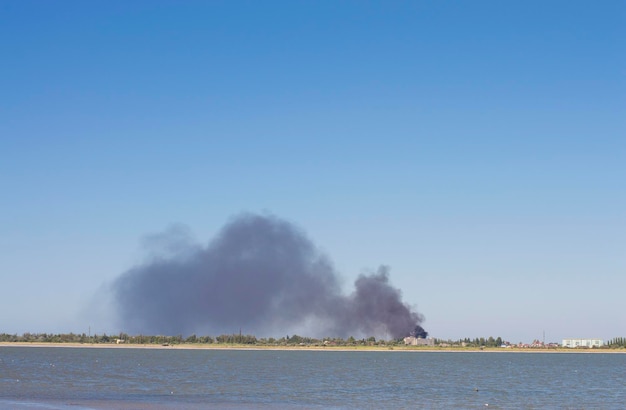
x,y
478,149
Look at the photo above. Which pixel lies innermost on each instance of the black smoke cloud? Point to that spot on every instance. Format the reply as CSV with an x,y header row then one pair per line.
x,y
260,274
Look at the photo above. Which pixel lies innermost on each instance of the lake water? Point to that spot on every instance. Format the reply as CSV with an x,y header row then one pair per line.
x,y
100,378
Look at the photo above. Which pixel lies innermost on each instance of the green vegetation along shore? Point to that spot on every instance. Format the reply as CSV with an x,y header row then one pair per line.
x,y
294,342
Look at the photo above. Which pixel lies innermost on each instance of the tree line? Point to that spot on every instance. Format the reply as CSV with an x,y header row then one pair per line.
x,y
617,342
480,342
229,339
243,339
233,339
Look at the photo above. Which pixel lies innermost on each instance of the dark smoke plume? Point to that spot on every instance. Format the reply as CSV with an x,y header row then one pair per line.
x,y
419,332
260,274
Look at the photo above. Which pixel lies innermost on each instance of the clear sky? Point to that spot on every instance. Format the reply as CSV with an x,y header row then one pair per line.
x,y
477,148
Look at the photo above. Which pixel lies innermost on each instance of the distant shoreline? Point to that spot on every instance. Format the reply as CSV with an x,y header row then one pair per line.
x,y
308,348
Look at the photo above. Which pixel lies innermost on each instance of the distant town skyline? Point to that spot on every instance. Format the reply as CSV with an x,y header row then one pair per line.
x,y
476,149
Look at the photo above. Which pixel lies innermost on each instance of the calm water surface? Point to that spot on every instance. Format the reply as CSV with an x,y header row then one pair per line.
x,y
86,378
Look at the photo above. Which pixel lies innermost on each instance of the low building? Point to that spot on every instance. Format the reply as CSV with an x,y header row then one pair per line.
x,y
418,341
583,342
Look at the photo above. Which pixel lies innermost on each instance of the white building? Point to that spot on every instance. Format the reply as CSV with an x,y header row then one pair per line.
x,y
418,341
583,342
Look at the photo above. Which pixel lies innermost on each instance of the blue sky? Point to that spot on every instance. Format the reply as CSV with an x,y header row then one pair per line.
x,y
477,148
